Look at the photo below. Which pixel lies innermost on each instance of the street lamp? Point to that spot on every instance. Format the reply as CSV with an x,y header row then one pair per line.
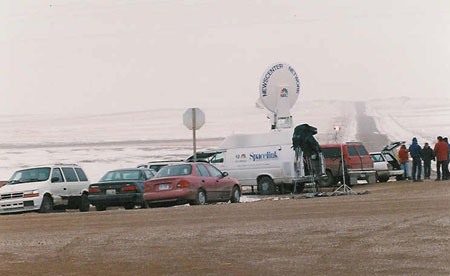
x,y
344,186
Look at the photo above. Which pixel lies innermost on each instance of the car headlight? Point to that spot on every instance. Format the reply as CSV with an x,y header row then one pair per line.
x,y
33,193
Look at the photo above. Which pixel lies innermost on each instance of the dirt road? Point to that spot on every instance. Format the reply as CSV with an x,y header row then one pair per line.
x,y
367,130
396,229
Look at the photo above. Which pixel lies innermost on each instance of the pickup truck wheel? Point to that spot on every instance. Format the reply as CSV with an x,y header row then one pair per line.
x,y
84,203
100,207
330,180
46,205
266,186
200,199
129,206
235,195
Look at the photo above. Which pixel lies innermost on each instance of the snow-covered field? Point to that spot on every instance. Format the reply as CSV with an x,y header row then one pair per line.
x,y
401,119
103,142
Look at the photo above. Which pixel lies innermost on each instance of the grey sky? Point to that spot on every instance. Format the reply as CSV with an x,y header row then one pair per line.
x,y
105,56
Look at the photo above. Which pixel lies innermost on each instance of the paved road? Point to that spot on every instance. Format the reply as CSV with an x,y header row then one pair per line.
x,y
396,229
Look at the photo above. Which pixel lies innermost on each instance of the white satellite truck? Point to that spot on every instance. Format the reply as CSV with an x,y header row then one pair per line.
x,y
264,160
267,160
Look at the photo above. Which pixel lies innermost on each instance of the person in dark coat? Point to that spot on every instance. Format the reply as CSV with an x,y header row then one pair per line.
x,y
427,156
416,154
441,153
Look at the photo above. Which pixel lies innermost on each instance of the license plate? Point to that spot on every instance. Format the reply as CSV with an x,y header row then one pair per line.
x,y
163,186
111,192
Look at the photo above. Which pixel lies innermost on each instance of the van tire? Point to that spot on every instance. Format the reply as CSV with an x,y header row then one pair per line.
x,y
46,205
266,186
84,203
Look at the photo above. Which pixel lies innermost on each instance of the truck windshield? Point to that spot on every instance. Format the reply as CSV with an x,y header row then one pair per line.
x,y
122,175
29,175
174,171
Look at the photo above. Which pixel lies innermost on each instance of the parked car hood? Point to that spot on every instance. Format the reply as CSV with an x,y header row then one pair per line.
x,y
22,187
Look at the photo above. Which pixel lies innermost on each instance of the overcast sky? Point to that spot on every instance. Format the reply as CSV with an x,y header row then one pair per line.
x,y
106,56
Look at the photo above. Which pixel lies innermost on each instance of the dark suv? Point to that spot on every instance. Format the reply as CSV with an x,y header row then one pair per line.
x,y
358,163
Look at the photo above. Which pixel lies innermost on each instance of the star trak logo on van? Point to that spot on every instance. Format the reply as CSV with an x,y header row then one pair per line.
x,y
263,156
284,92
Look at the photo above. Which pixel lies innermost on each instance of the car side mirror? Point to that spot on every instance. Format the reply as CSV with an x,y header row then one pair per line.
x,y
224,174
55,179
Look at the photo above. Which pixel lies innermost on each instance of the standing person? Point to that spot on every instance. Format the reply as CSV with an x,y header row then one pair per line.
x,y
447,173
403,157
427,156
416,154
441,153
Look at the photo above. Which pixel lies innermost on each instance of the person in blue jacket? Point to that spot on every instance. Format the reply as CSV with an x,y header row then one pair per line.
x,y
416,154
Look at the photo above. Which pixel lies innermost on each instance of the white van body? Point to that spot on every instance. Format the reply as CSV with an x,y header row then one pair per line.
x,y
67,191
250,157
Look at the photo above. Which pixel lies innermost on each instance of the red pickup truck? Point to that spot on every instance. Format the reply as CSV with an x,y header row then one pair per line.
x,y
357,160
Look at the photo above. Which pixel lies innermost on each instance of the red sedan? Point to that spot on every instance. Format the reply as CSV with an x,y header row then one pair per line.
x,y
194,183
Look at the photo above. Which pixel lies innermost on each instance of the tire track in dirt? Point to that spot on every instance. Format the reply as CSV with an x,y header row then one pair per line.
x,y
367,130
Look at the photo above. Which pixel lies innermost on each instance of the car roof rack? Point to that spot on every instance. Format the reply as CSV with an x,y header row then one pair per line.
x,y
353,143
65,164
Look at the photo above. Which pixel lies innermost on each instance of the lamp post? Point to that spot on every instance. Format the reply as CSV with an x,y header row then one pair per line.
x,y
344,186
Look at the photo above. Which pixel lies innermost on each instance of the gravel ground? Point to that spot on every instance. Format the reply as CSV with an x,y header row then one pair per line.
x,y
399,228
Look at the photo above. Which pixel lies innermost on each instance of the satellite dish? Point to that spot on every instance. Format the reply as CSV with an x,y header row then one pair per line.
x,y
278,92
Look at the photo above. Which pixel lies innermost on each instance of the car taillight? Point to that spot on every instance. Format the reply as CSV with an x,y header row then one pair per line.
x,y
183,184
94,190
129,188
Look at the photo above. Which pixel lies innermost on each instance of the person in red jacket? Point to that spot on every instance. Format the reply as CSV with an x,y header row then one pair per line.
x,y
403,157
441,153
